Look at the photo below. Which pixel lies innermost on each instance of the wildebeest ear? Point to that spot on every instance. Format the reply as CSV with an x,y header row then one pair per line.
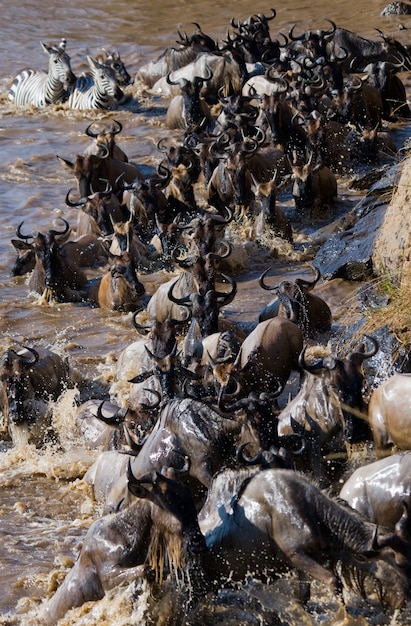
x,y
21,245
136,485
66,163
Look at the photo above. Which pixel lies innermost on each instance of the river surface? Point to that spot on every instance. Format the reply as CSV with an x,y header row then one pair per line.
x,y
45,508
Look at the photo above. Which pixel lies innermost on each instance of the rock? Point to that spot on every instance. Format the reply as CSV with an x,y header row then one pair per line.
x,y
392,248
374,239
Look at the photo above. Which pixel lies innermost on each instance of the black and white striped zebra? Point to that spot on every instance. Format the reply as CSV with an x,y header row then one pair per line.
x,y
100,90
39,88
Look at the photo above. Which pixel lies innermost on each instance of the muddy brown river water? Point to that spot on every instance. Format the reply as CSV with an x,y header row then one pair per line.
x,y
45,508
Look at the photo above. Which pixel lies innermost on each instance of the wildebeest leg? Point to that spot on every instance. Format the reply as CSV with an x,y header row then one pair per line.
x,y
304,591
81,584
119,575
306,564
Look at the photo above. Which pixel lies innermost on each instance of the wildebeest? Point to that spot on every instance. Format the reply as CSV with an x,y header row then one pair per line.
x,y
98,213
29,379
296,302
366,50
188,110
270,215
121,547
187,433
257,522
92,172
84,251
378,490
113,59
53,271
389,415
104,141
268,353
314,188
328,404
173,58
119,289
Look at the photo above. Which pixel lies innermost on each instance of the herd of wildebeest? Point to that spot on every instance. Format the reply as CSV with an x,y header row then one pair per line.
x,y
200,461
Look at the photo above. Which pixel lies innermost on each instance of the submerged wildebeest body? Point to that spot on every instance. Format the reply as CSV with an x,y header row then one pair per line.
x,y
254,523
378,490
119,289
29,379
53,270
296,302
92,172
268,353
85,251
389,415
122,547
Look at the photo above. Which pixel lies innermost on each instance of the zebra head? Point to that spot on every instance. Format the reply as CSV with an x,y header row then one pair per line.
x,y
104,78
114,60
59,64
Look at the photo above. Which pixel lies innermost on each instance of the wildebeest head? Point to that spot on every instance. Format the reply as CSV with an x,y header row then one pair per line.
x,y
126,289
295,302
174,497
346,379
16,387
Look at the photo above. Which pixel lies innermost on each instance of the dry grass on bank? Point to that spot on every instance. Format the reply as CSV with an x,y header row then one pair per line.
x,y
395,314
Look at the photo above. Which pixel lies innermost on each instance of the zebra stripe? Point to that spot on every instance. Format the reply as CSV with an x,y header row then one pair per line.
x,y
100,90
39,88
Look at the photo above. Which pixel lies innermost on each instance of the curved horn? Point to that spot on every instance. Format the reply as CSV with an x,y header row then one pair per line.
x,y
268,18
142,329
294,37
259,459
73,204
61,232
281,83
233,24
19,233
172,82
313,367
224,250
112,420
32,361
89,133
220,219
263,284
227,297
180,301
156,403
360,356
164,172
309,283
332,30
242,403
161,147
116,127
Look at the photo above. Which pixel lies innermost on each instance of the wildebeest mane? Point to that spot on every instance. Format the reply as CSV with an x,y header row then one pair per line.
x,y
165,552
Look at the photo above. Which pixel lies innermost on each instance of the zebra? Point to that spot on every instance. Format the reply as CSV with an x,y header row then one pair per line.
x,y
100,90
39,88
113,59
